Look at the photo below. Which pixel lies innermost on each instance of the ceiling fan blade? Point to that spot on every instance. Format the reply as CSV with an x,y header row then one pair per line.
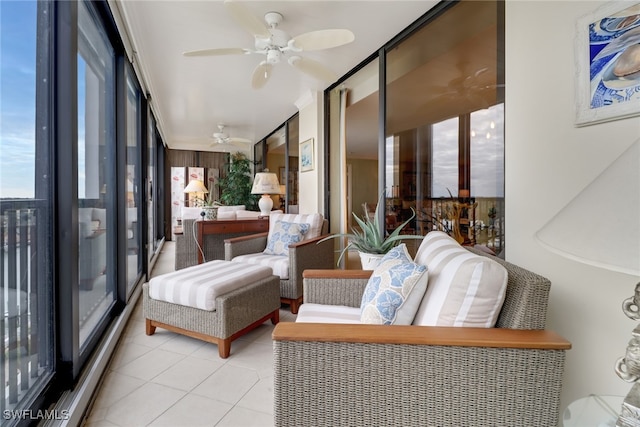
x,y
246,19
217,52
260,75
313,68
323,39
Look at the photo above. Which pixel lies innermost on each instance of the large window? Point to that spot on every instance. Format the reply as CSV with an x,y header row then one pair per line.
x,y
444,116
353,128
132,231
26,329
437,119
72,186
96,189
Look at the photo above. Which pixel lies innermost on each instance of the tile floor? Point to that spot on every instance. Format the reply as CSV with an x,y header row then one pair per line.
x,y
171,380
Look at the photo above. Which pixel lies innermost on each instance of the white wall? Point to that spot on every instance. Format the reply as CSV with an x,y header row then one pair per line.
x,y
548,162
311,197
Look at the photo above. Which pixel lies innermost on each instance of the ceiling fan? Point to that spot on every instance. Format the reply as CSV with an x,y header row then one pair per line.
x,y
221,138
473,86
276,45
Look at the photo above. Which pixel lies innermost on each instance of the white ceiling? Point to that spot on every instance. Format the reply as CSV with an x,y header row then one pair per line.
x,y
191,95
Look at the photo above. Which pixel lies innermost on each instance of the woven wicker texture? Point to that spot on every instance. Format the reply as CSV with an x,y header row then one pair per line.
x,y
234,310
340,384
334,291
309,255
365,384
187,249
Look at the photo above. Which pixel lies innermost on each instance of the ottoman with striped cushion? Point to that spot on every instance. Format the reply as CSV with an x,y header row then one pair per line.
x,y
217,301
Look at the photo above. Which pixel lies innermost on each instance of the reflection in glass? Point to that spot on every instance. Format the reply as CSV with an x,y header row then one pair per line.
x,y
445,118
133,223
96,140
353,151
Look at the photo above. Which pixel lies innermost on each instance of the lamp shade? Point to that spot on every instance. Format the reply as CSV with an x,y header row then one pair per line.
x,y
265,183
195,186
601,225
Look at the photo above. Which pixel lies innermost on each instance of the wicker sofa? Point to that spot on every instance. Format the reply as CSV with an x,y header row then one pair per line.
x,y
357,374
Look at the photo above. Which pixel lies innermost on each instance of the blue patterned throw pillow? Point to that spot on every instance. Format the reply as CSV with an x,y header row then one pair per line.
x,y
395,289
284,234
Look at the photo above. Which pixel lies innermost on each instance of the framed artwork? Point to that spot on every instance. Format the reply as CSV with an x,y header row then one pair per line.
x,y
608,63
307,161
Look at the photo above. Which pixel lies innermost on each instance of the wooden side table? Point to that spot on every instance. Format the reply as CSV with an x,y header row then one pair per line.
x,y
218,226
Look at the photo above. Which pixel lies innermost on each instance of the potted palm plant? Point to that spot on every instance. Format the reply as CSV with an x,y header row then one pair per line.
x,y
237,182
370,240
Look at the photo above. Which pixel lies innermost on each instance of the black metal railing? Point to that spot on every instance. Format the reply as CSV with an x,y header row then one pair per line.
x,y
478,220
23,260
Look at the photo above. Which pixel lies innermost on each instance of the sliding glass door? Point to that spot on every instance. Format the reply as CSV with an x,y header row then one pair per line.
x,y
96,190
444,125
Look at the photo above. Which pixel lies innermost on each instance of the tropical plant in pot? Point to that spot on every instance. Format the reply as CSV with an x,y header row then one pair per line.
x,y
210,206
236,184
370,239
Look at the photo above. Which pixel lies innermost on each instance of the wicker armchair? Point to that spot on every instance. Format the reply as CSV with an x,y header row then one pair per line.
x,y
304,255
187,249
336,374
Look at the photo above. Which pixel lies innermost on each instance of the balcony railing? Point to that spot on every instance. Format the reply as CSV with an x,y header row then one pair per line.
x,y
478,220
24,298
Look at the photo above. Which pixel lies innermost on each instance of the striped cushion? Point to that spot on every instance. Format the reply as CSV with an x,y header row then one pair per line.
x,y
314,221
320,313
199,286
464,289
277,263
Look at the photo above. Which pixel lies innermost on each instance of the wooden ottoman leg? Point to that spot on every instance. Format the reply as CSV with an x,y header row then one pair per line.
x,y
150,328
224,348
275,316
295,305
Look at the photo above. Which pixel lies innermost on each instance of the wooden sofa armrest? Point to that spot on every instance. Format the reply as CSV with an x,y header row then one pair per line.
x,y
247,237
313,241
243,245
420,335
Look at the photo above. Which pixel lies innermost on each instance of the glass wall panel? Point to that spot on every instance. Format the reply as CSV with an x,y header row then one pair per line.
x,y
444,87
444,159
151,183
132,233
96,148
353,142
487,177
290,181
26,284
276,161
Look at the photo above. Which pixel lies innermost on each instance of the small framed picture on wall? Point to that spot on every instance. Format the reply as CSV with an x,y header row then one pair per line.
x,y
307,160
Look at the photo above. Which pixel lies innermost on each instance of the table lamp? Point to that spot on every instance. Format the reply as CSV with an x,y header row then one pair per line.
x,y
601,227
265,183
196,186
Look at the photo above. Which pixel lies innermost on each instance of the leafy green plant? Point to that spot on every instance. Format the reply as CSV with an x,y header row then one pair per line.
x,y
236,184
370,237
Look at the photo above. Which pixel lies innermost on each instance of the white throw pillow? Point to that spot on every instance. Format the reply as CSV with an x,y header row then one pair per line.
x,y
465,289
284,234
394,290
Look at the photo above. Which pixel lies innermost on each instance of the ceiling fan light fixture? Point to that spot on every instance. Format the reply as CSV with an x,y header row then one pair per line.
x,y
273,56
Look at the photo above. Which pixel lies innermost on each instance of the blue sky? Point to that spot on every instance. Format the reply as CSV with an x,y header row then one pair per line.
x,y
17,97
